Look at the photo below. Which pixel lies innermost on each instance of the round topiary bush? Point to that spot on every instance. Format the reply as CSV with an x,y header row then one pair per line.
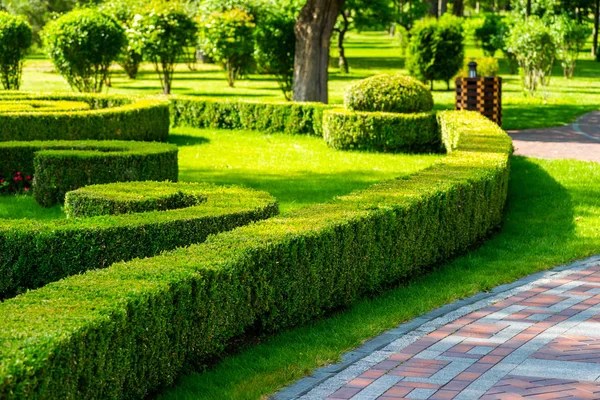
x,y
82,45
389,93
15,39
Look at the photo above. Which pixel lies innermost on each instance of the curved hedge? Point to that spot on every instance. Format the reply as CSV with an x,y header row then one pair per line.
x,y
109,118
126,330
37,252
389,93
61,166
377,131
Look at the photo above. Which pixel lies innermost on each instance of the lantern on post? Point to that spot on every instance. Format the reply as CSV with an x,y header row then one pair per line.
x,y
482,94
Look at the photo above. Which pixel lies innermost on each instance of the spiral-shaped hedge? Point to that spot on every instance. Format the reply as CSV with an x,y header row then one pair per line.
x,y
26,116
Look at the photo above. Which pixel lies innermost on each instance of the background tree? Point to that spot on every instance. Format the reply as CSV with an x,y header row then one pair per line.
x,y
491,33
163,30
228,38
570,36
82,45
275,47
124,12
436,49
313,33
15,39
361,15
533,44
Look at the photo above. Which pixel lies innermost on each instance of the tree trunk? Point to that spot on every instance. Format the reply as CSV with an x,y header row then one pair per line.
x,y
442,7
313,32
596,23
343,62
528,9
433,9
459,8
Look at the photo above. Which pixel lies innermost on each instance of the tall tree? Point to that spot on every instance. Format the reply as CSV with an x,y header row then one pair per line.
x,y
362,15
313,33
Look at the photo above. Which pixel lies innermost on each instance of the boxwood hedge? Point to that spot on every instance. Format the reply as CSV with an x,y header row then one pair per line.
x,y
126,330
289,118
378,131
60,166
110,118
37,252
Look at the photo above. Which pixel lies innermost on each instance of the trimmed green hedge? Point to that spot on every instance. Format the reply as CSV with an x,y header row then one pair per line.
x,y
61,166
126,330
389,93
376,131
35,253
110,118
289,118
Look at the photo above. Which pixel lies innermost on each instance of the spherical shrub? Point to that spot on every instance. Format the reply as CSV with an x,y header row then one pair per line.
x,y
15,39
389,93
82,45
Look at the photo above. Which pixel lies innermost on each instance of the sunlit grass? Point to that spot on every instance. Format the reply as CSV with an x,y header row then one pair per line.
x,y
552,217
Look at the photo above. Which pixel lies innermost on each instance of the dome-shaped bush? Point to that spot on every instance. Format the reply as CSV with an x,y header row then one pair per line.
x,y
15,39
389,93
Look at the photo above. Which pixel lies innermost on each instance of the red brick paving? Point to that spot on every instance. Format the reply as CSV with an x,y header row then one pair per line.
x,y
580,140
472,348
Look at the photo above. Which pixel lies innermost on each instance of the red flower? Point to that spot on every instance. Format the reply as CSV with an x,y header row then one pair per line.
x,y
28,177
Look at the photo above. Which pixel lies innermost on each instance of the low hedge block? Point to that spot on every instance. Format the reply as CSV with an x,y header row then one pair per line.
x,y
61,166
388,132
110,118
290,118
124,331
35,253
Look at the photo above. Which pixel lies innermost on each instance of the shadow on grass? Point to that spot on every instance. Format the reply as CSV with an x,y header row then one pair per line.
x,y
187,140
516,116
538,226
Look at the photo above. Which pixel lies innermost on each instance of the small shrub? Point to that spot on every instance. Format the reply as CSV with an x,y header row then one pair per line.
x,y
15,39
436,49
276,48
570,37
161,32
490,34
228,38
82,45
388,93
534,46
487,66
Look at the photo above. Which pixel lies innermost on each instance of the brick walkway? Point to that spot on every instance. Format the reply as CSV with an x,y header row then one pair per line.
x,y
579,140
538,339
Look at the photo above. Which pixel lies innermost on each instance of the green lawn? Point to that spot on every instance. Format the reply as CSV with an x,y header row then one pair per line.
x,y
552,217
369,53
297,170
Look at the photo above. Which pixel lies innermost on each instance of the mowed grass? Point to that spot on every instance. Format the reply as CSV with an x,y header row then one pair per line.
x,y
297,170
552,217
369,53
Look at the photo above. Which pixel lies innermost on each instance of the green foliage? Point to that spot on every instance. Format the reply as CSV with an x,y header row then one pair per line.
x,y
491,34
534,46
377,131
61,166
228,38
276,47
26,116
82,45
124,12
370,14
15,39
388,93
95,238
570,37
268,117
111,333
161,32
486,66
436,49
